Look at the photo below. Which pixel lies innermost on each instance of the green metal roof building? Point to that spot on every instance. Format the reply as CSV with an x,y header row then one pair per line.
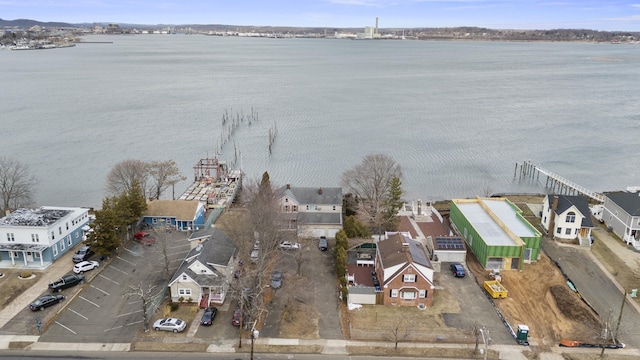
x,y
496,232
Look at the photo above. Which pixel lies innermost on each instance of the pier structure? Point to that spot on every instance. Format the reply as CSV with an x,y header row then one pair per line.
x,y
555,182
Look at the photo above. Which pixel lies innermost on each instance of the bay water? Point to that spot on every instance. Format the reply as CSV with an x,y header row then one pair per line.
x,y
455,115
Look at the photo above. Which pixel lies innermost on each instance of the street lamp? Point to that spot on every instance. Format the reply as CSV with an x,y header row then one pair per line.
x,y
254,335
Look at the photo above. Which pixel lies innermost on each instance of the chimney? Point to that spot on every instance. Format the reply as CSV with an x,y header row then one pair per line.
x,y
320,191
552,215
419,207
288,186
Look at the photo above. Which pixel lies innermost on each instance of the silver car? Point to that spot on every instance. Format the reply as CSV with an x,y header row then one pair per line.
x,y
276,279
170,324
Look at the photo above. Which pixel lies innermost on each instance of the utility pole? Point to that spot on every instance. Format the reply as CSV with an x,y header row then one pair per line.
x,y
614,335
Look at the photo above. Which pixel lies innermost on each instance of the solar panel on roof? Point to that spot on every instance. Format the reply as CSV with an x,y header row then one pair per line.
x,y
449,243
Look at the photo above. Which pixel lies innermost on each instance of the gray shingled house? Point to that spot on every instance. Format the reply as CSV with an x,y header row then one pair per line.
x,y
204,274
622,214
312,212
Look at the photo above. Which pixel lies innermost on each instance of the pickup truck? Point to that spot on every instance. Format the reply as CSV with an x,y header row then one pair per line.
x,y
66,281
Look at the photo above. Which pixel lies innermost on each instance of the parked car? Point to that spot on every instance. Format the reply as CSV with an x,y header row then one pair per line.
x,y
144,238
66,281
254,255
85,266
238,318
256,245
323,244
45,301
84,253
457,270
208,316
169,324
287,245
276,279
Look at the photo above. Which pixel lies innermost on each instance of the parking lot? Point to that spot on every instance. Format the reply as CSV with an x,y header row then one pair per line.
x,y
100,311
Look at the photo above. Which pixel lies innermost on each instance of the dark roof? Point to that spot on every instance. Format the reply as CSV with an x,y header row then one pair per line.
x,y
580,202
315,195
449,243
394,252
628,201
310,218
215,248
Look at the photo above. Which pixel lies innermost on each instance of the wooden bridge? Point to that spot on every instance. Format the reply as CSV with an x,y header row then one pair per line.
x,y
555,182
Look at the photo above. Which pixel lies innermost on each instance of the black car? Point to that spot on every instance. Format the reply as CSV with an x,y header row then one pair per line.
x,y
66,281
208,316
457,270
45,301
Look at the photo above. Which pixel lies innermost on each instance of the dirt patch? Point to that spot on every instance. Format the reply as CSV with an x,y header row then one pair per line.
x,y
539,297
425,353
12,286
299,321
185,312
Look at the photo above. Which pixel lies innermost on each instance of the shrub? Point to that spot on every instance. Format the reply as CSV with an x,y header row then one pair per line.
x,y
174,306
25,274
181,299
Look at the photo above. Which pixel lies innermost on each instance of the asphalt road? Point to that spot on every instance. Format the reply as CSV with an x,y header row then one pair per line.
x,y
596,288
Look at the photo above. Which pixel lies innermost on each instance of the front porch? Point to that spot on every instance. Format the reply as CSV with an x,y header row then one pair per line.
x,y
30,265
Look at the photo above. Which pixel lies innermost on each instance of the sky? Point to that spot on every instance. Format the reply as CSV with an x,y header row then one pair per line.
x,y
608,15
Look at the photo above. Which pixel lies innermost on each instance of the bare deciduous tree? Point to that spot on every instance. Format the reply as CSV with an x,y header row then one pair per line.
x,y
370,182
124,175
399,330
17,184
146,294
163,174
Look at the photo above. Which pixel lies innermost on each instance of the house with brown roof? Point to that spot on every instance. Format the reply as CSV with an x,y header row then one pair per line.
x,y
182,215
404,271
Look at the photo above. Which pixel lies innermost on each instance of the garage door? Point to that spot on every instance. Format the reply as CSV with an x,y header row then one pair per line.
x,y
318,232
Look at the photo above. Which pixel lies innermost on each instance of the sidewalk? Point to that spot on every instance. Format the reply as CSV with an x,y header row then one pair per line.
x,y
53,272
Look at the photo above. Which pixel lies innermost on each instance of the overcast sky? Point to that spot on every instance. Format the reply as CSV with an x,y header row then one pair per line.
x,y
623,15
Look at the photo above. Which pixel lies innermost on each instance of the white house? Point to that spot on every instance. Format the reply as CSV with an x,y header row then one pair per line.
x,y
204,274
567,218
34,238
312,212
622,214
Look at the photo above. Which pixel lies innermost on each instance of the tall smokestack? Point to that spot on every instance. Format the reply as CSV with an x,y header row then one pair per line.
x,y
376,24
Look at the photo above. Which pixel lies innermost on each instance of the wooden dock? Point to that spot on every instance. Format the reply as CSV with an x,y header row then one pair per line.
x,y
555,182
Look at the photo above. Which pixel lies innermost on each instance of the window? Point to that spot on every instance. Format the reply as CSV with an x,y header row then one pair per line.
x,y
393,293
36,255
69,240
62,245
184,291
559,231
307,207
286,200
568,231
10,237
409,278
571,217
408,295
53,235
184,277
59,230
334,208
286,208
67,224
55,249
35,238
294,208
423,294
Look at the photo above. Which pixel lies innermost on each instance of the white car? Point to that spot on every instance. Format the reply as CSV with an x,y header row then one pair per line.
x,y
287,245
169,324
85,266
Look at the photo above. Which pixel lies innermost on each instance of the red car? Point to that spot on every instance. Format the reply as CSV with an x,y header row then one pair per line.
x,y
144,238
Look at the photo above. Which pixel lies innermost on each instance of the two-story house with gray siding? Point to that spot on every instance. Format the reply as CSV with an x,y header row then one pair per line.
x,y
312,212
35,238
621,213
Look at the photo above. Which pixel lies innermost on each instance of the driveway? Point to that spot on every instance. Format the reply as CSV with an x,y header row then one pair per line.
x,y
315,286
474,304
101,312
